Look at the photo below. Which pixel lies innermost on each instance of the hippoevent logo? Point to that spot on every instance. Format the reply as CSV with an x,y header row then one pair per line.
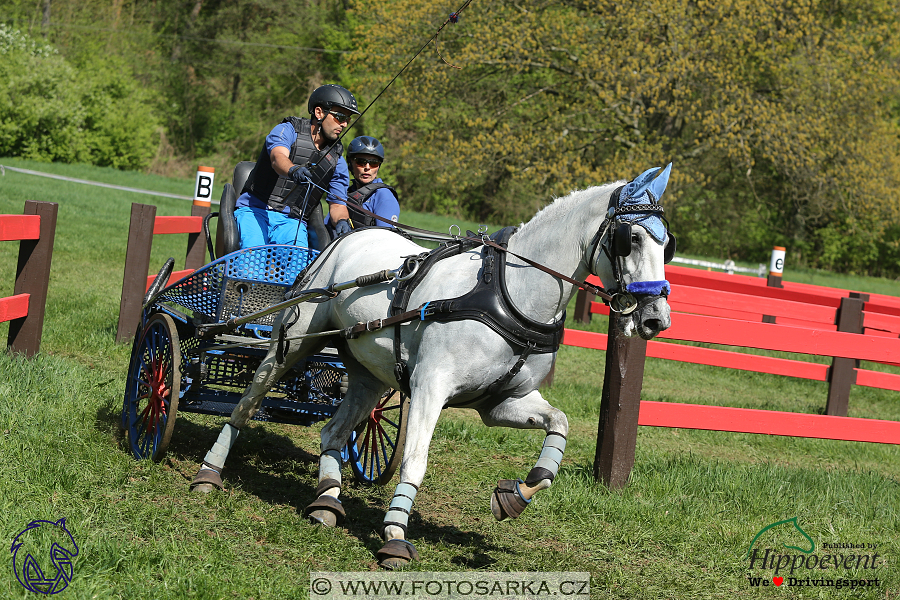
x,y
42,556
840,565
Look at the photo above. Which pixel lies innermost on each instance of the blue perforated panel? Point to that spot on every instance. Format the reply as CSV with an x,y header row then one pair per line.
x,y
241,283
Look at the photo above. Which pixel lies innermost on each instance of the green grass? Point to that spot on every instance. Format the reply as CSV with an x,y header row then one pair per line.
x,y
680,529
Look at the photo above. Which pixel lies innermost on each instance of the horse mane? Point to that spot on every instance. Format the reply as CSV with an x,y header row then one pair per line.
x,y
569,213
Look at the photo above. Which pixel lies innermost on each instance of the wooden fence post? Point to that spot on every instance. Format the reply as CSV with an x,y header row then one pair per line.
x,y
842,373
196,248
620,406
583,306
33,278
137,264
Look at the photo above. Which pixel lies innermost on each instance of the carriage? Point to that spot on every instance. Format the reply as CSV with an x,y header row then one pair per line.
x,y
176,366
462,346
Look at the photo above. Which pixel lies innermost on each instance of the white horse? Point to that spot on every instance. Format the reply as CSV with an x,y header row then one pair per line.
x,y
453,363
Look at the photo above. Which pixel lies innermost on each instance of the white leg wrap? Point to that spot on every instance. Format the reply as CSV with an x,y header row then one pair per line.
x,y
401,505
219,452
330,465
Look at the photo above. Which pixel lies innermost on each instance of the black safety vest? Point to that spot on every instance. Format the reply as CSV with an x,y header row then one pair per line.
x,y
266,184
361,194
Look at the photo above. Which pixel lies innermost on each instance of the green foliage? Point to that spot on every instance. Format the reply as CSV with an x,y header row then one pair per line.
x,y
776,130
51,110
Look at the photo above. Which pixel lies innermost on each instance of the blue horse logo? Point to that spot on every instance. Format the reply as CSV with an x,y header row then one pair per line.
x,y
36,536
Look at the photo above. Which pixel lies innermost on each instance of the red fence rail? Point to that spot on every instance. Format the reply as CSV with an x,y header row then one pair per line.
x,y
35,230
742,311
143,226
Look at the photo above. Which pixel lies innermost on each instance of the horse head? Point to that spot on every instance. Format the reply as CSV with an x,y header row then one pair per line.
x,y
636,246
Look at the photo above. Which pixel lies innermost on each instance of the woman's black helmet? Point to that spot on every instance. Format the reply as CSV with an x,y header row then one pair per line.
x,y
365,144
329,96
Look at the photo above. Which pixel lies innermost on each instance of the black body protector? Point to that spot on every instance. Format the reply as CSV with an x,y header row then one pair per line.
x,y
275,189
359,195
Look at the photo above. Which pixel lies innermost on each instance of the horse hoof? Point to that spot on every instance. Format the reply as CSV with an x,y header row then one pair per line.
x,y
507,501
396,554
393,563
325,510
323,517
206,481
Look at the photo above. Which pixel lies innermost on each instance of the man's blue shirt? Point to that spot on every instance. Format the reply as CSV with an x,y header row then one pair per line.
x,y
284,135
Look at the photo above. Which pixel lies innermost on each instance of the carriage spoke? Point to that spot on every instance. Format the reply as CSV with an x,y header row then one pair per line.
x,y
153,387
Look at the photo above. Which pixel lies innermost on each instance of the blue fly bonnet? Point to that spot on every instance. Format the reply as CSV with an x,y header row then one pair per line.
x,y
646,188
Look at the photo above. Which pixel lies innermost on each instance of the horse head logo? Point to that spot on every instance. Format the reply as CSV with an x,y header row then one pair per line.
x,y
43,539
793,521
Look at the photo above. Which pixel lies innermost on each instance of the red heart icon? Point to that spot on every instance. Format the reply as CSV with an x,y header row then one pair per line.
x,y
778,580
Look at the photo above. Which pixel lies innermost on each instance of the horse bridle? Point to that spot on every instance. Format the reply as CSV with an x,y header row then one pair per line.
x,y
617,246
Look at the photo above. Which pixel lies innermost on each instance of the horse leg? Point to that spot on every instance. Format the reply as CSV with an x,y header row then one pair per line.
x,y
361,398
423,416
512,496
209,475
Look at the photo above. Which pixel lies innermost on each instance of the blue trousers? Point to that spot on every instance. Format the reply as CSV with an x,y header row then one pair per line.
x,y
259,226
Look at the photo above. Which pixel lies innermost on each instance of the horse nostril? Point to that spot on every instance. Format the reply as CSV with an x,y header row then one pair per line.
x,y
653,324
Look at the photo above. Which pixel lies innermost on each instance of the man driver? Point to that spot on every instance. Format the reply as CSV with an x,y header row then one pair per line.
x,y
279,196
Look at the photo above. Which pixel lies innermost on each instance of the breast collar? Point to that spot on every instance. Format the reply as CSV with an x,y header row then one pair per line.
x,y
488,302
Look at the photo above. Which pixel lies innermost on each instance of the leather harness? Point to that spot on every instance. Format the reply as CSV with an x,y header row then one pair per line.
x,y
488,303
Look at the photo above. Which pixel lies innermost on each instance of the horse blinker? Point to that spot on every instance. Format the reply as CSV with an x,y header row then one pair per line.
x,y
622,239
669,250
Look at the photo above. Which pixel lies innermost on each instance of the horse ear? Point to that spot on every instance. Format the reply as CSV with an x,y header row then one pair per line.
x,y
658,185
636,186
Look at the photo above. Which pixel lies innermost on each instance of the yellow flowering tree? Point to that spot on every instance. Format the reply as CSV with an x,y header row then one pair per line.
x,y
780,115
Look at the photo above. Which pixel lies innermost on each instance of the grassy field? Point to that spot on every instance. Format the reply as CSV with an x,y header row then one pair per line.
x,y
680,529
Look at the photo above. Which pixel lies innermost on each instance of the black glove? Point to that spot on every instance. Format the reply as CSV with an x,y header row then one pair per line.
x,y
342,227
299,174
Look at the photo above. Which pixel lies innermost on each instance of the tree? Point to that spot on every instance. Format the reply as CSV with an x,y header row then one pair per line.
x,y
53,111
777,130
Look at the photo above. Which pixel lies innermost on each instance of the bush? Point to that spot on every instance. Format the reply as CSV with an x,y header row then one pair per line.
x,y
52,111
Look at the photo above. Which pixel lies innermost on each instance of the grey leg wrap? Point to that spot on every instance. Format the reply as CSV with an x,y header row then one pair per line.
x,y
401,506
219,452
330,466
548,463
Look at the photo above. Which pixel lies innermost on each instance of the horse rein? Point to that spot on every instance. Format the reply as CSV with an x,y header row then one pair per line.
x,y
584,285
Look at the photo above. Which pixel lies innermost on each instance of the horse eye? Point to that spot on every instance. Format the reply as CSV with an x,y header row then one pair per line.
x,y
635,238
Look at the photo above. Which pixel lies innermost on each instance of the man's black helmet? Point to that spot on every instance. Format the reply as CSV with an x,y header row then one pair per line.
x,y
365,144
329,96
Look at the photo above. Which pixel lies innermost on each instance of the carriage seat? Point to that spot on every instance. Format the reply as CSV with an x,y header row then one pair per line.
x,y
228,236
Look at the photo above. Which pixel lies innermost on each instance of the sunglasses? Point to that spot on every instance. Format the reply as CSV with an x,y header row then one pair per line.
x,y
359,161
339,117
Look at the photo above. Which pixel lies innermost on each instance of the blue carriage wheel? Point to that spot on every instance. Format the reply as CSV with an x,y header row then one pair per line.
x,y
376,446
152,389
